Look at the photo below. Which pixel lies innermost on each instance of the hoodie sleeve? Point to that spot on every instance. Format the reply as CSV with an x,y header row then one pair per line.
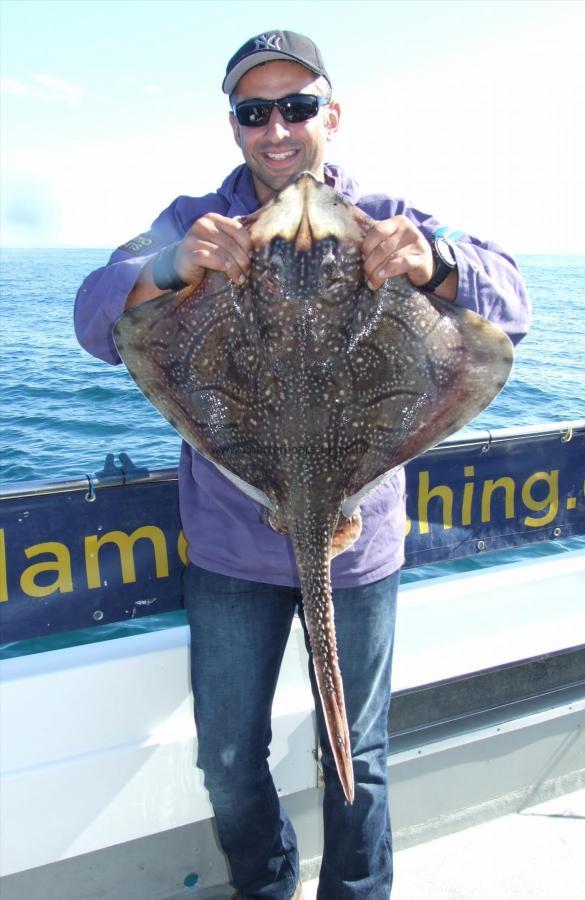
x,y
490,283
102,296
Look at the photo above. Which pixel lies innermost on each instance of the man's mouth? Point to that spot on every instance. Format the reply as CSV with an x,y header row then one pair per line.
x,y
279,156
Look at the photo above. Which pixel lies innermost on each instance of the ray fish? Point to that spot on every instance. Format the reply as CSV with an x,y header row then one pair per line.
x,y
307,388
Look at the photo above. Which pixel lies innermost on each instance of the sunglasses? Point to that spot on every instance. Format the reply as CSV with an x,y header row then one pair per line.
x,y
293,108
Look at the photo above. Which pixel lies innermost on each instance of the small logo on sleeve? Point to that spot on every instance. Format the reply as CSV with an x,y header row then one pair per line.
x,y
139,244
447,232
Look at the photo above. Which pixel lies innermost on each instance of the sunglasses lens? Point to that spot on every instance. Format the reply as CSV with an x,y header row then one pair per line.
x,y
299,108
253,112
294,108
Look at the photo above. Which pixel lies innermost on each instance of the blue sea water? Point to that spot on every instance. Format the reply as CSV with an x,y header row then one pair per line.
x,y
62,411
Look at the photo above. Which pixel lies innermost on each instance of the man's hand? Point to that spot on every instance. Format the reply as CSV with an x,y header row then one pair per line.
x,y
214,242
396,247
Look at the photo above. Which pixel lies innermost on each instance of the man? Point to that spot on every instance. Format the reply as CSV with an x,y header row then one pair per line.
x,y
241,587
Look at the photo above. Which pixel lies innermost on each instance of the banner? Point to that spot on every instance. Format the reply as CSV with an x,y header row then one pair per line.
x,y
511,489
101,552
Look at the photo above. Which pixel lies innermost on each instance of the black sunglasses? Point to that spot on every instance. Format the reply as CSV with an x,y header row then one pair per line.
x,y
293,108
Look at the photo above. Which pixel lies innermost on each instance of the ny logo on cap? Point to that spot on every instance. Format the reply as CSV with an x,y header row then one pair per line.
x,y
268,42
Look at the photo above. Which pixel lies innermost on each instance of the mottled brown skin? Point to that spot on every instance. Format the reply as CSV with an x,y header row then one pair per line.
x,y
308,386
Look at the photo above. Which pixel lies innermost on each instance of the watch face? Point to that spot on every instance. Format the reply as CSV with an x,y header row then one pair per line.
x,y
445,252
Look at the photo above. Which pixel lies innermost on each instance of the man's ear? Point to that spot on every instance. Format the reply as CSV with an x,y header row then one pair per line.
x,y
236,129
333,115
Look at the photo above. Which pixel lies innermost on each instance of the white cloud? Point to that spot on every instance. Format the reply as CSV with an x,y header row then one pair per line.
x,y
67,88
51,89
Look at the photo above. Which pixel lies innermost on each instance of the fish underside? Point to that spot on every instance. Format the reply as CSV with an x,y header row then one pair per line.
x,y
306,387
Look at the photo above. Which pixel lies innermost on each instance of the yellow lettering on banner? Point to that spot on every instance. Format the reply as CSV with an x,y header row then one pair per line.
x,y
425,495
3,569
489,487
61,564
551,500
125,544
182,548
469,472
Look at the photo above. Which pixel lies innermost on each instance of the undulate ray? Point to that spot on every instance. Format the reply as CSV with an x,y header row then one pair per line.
x,y
306,387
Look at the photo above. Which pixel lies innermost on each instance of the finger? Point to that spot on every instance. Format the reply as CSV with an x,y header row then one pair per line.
x,y
389,236
228,236
235,257
228,255
413,264
384,251
377,235
400,244
228,233
199,255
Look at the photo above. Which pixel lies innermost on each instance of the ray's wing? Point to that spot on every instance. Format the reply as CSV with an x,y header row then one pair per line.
x,y
195,355
421,369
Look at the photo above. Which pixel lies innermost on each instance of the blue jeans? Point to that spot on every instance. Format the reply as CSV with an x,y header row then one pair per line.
x,y
239,631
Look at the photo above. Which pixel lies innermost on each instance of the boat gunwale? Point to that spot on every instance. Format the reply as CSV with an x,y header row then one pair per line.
x,y
481,439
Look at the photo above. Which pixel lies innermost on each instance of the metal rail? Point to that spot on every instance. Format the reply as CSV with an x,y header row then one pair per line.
x,y
127,472
480,699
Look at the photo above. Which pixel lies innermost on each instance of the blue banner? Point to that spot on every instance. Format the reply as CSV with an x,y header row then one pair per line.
x,y
505,491
107,552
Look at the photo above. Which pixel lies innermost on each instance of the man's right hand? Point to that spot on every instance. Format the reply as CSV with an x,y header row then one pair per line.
x,y
213,242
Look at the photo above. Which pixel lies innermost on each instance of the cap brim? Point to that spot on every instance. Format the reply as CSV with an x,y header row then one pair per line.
x,y
256,59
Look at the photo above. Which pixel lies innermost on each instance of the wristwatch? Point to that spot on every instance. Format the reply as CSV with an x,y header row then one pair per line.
x,y
444,263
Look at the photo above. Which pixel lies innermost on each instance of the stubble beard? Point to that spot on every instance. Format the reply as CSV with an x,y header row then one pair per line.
x,y
274,183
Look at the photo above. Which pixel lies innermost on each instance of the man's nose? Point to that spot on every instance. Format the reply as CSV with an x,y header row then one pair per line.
x,y
277,128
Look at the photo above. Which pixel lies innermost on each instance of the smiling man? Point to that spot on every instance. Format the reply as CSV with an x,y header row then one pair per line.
x,y
283,147
241,586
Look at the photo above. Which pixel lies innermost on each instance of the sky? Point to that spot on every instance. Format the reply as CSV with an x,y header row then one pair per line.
x,y
472,110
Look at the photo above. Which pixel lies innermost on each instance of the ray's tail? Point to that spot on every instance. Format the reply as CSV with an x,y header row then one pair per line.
x,y
312,552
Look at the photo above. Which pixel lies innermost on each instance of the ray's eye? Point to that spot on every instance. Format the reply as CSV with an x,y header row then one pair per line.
x,y
330,274
274,274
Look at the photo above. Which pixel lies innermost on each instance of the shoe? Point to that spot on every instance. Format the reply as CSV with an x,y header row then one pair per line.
x,y
298,894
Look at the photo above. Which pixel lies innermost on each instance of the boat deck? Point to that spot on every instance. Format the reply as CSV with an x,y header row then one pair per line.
x,y
536,854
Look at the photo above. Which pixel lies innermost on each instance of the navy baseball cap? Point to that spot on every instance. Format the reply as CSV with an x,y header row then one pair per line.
x,y
270,46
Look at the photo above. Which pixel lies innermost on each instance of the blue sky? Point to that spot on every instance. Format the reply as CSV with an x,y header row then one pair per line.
x,y
473,110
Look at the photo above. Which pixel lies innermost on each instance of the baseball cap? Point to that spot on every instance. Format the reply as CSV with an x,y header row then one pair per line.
x,y
270,46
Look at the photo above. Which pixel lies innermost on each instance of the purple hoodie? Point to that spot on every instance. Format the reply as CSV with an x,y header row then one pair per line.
x,y
226,530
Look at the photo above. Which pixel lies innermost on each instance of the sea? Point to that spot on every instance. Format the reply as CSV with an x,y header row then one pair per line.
x,y
62,411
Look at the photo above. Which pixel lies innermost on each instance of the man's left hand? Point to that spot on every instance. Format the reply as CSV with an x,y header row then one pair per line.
x,y
396,247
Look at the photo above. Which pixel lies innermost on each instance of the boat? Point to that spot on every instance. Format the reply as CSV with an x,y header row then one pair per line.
x,y
99,792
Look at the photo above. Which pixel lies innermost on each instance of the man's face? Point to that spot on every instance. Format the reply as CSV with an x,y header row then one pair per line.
x,y
280,150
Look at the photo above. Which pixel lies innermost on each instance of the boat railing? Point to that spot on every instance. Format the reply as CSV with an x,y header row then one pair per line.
x,y
112,475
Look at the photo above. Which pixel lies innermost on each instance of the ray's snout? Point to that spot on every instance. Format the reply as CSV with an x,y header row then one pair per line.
x,y
305,212
308,241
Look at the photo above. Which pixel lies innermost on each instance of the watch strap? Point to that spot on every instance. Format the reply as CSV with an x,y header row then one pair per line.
x,y
441,270
164,273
